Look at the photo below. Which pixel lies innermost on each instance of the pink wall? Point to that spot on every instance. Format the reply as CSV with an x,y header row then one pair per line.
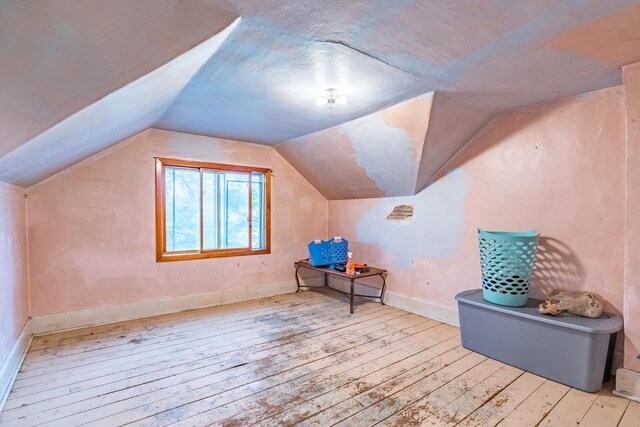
x,y
14,292
632,277
559,167
92,228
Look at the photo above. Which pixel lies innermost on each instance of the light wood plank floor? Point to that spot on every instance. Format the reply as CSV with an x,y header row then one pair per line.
x,y
293,359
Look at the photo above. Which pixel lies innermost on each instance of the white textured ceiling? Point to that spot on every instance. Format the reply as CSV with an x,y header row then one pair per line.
x,y
60,56
272,98
119,115
480,58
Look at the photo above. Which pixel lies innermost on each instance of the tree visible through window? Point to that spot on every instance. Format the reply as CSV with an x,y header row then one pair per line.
x,y
207,210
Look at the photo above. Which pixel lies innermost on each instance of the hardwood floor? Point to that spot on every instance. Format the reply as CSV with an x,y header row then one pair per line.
x,y
293,359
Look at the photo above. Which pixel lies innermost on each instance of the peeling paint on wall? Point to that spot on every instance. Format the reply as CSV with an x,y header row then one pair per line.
x,y
552,149
435,231
384,152
374,156
401,212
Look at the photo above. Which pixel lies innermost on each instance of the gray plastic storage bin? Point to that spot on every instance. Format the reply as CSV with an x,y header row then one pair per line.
x,y
572,350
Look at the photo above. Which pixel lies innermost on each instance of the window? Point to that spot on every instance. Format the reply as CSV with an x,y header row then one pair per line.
x,y
208,210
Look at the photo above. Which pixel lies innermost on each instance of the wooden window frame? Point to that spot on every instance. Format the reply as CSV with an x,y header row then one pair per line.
x,y
161,245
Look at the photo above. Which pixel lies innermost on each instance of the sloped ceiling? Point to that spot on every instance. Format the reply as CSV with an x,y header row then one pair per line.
x,y
60,56
262,84
479,58
453,123
119,115
377,155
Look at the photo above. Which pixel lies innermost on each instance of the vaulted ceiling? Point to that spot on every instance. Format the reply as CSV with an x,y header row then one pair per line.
x,y
423,77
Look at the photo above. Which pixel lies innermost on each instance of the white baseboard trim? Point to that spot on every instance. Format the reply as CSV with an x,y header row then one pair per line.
x,y
312,281
423,308
627,384
13,362
412,305
103,315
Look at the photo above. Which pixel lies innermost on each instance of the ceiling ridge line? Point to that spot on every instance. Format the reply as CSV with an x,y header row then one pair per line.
x,y
29,173
232,26
375,58
354,119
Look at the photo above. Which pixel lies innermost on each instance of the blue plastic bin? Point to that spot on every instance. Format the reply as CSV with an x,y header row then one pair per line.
x,y
507,260
328,252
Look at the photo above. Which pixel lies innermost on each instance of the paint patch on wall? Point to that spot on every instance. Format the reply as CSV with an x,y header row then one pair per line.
x,y
384,152
326,160
436,229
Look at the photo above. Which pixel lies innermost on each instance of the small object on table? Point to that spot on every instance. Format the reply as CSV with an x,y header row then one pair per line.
x,y
351,277
351,267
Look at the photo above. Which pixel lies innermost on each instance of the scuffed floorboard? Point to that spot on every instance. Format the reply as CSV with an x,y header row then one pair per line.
x,y
293,359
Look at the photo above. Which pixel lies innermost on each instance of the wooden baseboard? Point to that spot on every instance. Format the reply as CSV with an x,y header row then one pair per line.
x,y
423,308
103,315
627,384
13,362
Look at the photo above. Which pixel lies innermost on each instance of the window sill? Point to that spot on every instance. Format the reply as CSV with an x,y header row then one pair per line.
x,y
167,257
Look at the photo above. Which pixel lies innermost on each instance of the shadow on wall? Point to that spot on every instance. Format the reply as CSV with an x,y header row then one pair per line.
x,y
557,267
309,277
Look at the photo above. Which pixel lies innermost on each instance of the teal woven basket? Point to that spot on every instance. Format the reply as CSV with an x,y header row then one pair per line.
x,y
507,260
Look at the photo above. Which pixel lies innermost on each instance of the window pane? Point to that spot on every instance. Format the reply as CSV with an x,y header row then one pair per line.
x,y
210,210
182,215
257,211
236,209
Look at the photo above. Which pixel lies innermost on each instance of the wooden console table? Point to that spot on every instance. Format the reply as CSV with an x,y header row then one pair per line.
x,y
351,277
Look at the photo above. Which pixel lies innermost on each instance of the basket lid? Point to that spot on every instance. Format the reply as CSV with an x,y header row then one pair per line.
x,y
606,324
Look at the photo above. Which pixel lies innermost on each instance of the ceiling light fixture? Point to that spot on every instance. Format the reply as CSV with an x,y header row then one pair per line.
x,y
331,98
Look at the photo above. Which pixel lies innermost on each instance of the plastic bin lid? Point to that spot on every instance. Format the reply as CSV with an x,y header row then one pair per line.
x,y
605,324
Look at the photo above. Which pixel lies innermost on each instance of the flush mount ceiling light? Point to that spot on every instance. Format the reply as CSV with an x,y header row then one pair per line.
x,y
331,98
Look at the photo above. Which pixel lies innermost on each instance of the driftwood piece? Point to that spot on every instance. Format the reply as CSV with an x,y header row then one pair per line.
x,y
587,304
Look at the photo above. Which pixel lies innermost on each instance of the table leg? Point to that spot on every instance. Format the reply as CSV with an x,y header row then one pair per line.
x,y
326,280
384,286
352,292
297,278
